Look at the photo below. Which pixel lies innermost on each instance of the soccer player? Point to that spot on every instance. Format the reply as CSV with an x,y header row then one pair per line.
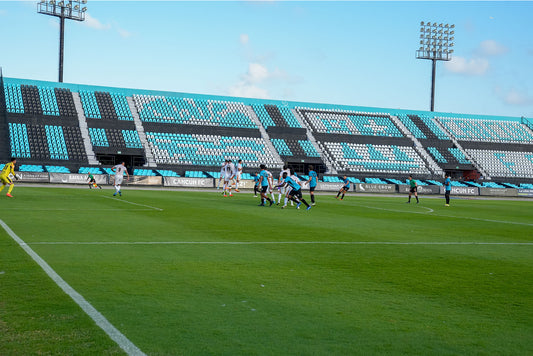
x,y
119,170
92,181
312,183
265,185
222,173
229,173
344,188
413,189
295,193
256,184
282,187
9,168
447,189
238,172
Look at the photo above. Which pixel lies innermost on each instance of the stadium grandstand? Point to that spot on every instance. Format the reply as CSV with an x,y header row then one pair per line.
x,y
60,127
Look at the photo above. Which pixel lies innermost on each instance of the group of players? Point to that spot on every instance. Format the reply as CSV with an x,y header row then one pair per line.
x,y
288,184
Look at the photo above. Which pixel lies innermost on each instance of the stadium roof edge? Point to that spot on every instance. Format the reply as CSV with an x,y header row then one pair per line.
x,y
290,104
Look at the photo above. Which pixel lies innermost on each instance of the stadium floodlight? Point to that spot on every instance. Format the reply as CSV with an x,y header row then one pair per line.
x,y
65,9
436,48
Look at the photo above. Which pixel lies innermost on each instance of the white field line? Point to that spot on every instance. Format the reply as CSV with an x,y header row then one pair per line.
x,y
430,211
278,243
121,340
82,210
129,202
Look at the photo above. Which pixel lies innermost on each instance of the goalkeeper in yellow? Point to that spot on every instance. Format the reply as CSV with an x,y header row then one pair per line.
x,y
9,169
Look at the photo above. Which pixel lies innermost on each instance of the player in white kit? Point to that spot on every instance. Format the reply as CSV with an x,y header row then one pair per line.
x,y
222,173
238,172
229,173
119,170
282,190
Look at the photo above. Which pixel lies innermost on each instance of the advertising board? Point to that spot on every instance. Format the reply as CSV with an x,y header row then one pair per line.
x,y
422,189
189,182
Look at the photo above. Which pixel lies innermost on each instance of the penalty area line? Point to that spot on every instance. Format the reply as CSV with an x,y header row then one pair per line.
x,y
122,341
130,202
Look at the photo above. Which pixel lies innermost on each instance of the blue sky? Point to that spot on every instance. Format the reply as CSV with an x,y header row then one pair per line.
x,y
338,52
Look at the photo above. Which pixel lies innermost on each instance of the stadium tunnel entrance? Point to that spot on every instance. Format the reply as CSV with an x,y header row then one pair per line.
x,y
131,161
303,167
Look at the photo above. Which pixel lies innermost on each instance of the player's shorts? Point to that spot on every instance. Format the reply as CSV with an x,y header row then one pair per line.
x,y
227,177
296,193
5,180
413,189
118,180
264,188
238,176
345,188
312,189
92,181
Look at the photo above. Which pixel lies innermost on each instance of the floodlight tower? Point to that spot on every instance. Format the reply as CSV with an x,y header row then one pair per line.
x,y
435,45
70,9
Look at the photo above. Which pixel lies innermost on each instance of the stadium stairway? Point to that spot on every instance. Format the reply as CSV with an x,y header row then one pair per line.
x,y
431,164
264,134
91,157
311,138
150,161
468,156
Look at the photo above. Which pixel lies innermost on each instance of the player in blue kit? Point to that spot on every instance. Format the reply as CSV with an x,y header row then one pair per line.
x,y
264,182
312,183
256,184
447,189
295,193
344,188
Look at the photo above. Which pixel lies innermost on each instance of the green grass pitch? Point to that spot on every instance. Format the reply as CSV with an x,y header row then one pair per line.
x,y
193,273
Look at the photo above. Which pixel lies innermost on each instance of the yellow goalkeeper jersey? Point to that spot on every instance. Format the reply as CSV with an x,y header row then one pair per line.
x,y
8,168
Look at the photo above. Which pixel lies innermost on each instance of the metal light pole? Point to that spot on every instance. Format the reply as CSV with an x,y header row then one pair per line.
x,y
70,9
435,45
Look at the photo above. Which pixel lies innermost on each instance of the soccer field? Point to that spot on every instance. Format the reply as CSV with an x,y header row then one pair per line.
x,y
193,273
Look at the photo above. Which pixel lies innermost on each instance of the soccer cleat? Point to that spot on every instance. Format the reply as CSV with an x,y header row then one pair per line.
x,y
119,193
407,202
224,195
446,204
255,196
230,194
417,201
9,195
271,202
308,208
237,190
261,204
284,206
298,205
115,194
313,204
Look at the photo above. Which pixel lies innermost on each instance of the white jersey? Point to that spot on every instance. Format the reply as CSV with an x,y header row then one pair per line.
x,y
229,170
119,170
238,170
223,170
119,173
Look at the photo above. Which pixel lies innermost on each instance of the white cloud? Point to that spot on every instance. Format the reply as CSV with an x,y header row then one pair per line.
x,y
256,73
472,66
246,90
514,97
244,39
123,33
94,23
490,48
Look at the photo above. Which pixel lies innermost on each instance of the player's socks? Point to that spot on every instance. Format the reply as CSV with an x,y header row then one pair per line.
x,y
342,196
416,200
2,188
119,193
303,201
313,199
285,201
10,189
